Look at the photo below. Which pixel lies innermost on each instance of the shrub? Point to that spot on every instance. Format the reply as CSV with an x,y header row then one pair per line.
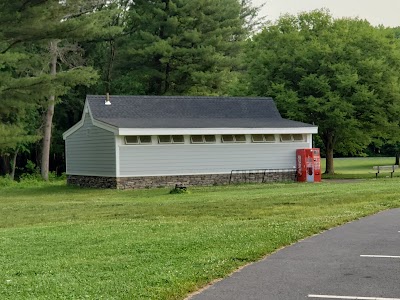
x,y
179,189
6,181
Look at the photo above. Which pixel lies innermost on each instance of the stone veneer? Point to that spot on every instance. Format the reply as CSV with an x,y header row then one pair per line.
x,y
92,181
187,180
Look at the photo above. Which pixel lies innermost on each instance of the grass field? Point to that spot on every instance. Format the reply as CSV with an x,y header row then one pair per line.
x,y
59,242
359,167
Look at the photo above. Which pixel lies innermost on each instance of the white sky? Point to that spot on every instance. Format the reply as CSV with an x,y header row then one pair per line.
x,y
386,12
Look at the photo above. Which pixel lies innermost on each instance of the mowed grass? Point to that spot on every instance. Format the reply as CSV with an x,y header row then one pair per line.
x,y
359,167
59,242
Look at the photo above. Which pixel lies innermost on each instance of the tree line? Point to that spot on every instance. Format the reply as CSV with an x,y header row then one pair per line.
x,y
340,74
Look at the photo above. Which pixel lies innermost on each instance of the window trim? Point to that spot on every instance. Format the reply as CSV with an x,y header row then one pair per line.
x,y
264,140
299,134
145,143
234,140
139,141
241,142
197,135
180,135
214,141
131,143
228,142
286,141
161,142
171,139
292,139
254,141
267,141
203,139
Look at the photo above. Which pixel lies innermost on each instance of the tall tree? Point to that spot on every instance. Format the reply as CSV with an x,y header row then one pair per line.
x,y
17,116
181,47
54,28
340,74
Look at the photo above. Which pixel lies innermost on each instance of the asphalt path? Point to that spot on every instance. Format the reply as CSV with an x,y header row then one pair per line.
x,y
359,260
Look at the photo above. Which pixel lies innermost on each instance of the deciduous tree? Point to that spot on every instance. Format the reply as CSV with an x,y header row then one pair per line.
x,y
340,74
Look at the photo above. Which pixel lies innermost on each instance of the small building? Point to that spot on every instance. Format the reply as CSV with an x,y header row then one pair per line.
x,y
152,141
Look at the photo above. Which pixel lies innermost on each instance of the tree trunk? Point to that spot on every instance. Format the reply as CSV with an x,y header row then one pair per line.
x,y
14,164
397,161
110,65
164,71
164,82
48,120
4,165
329,169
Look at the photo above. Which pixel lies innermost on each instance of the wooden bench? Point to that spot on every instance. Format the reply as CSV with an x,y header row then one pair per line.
x,y
382,169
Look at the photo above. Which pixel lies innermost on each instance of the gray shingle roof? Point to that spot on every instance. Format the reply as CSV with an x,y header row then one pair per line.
x,y
188,112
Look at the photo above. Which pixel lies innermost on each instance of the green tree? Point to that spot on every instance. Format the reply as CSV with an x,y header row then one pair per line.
x,y
16,114
181,47
50,30
341,74
17,133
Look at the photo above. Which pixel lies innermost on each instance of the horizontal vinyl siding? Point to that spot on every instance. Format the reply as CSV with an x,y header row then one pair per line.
x,y
205,159
91,151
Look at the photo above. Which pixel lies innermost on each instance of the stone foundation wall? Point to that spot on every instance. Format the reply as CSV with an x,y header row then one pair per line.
x,y
261,177
92,181
170,181
187,180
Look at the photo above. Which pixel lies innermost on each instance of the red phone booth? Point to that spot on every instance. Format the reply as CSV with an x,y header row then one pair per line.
x,y
308,165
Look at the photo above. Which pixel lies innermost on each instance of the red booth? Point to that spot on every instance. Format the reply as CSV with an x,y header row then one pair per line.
x,y
308,165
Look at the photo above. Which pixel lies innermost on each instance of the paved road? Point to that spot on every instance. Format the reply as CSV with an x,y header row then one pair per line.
x,y
327,266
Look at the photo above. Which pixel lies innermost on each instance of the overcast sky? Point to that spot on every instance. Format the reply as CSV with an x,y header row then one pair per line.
x,y
386,12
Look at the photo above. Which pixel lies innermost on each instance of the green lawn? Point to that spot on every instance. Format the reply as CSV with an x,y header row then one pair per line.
x,y
359,167
59,242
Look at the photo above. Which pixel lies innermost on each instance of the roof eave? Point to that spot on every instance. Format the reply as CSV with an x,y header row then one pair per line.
x,y
95,122
105,126
194,131
80,123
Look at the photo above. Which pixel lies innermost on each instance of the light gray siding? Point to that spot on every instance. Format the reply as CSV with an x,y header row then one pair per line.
x,y
136,160
91,151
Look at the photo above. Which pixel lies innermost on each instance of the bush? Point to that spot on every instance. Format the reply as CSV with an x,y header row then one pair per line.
x,y
30,180
36,179
6,181
179,189
26,177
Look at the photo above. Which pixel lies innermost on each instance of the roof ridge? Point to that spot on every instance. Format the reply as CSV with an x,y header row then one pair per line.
x,y
183,97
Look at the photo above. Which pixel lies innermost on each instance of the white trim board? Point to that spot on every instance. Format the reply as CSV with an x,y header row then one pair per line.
x,y
207,131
